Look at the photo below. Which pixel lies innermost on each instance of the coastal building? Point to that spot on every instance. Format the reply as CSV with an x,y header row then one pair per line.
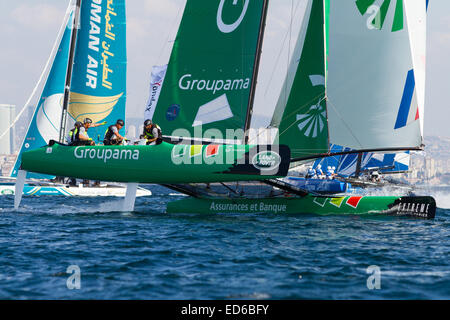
x,y
7,115
21,126
6,164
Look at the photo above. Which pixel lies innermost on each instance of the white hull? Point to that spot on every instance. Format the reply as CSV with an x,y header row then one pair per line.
x,y
71,191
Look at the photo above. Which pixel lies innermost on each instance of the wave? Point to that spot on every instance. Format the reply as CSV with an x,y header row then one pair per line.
x,y
440,194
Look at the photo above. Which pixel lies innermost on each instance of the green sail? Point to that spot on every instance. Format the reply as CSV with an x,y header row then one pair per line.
x,y
209,77
301,114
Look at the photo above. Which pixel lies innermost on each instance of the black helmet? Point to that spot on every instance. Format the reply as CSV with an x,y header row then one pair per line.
x,y
147,122
87,120
78,124
120,122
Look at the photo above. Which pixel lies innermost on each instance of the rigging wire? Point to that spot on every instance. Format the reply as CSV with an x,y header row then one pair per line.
x,y
321,97
329,103
289,51
277,60
287,35
44,73
170,32
306,104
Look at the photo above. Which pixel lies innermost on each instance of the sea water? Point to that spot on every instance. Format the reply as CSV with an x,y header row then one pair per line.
x,y
82,248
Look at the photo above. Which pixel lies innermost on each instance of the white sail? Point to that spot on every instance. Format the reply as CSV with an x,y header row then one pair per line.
x,y
371,83
417,27
293,68
46,120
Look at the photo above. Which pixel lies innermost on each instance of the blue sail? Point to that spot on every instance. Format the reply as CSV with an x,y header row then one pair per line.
x,y
389,162
346,164
46,120
98,88
332,161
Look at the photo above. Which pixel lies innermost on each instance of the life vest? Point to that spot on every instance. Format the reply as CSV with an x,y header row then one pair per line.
x,y
74,135
110,133
149,134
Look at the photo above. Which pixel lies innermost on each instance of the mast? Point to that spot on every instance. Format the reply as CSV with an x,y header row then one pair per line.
x,y
358,165
301,111
251,99
325,61
76,20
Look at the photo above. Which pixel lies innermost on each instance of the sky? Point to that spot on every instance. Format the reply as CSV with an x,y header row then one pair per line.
x,y
29,29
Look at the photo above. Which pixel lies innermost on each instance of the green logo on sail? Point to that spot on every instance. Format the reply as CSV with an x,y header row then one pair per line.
x,y
377,14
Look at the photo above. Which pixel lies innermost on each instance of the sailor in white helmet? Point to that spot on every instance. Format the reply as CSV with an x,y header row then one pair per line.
x,y
329,173
375,176
319,171
333,172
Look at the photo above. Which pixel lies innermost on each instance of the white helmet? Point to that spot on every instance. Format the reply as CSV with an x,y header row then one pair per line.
x,y
319,166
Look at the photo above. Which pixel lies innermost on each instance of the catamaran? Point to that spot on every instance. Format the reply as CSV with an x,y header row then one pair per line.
x,y
344,86
356,173
41,187
355,80
100,101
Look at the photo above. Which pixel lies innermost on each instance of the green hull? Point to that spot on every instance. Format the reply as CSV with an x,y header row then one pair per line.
x,y
164,163
419,207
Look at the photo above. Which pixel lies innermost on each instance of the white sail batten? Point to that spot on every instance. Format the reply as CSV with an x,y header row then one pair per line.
x,y
372,97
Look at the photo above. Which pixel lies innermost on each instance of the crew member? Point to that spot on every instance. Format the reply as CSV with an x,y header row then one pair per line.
x,y
311,173
152,132
375,176
89,123
73,134
83,138
329,173
319,172
333,172
112,135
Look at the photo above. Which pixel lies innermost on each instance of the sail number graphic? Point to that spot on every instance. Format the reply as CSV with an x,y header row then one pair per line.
x,y
228,28
377,14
